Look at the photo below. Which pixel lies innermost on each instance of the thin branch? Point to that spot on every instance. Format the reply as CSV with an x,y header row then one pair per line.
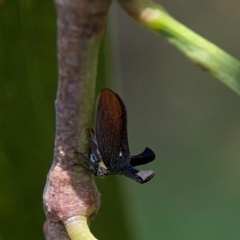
x,y
70,193
201,52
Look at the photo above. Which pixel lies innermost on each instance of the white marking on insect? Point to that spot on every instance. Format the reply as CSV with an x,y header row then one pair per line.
x,y
102,165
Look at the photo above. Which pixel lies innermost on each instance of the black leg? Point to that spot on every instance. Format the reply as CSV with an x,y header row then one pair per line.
x,y
88,164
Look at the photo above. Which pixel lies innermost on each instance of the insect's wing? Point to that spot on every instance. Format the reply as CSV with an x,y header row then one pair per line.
x,y
110,127
125,152
143,158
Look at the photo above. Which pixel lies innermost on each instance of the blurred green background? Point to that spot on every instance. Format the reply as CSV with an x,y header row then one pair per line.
x,y
187,117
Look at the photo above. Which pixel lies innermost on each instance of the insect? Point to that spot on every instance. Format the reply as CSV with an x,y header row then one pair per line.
x,y
110,154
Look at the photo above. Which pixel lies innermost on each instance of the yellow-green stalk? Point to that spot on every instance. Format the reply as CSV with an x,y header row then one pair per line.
x,y
201,52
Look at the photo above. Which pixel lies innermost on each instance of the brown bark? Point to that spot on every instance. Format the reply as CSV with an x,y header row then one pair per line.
x,y
70,190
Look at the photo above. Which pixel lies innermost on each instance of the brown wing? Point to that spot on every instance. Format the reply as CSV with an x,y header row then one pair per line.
x,y
111,128
124,145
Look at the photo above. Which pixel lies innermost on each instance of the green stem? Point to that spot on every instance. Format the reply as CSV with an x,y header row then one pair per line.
x,y
77,228
203,53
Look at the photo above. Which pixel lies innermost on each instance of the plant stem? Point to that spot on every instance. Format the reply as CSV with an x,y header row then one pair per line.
x,y
70,191
201,52
77,228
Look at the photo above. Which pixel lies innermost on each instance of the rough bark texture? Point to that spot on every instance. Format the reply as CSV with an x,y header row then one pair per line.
x,y
52,229
70,190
